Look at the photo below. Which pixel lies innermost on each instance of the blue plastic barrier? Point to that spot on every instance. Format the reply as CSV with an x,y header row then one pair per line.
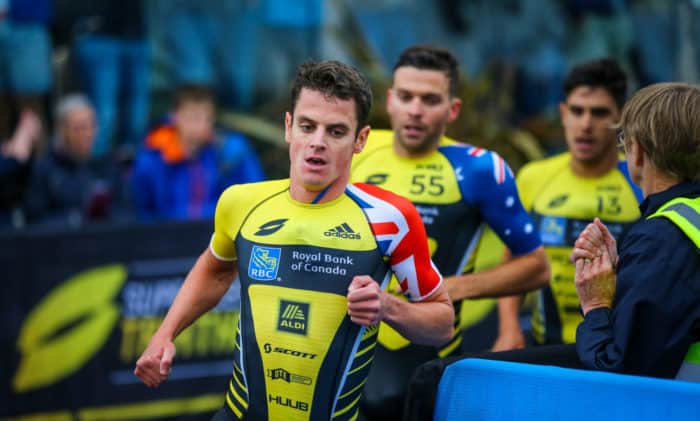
x,y
484,390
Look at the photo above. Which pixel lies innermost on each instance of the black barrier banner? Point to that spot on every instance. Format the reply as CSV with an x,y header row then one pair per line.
x,y
78,308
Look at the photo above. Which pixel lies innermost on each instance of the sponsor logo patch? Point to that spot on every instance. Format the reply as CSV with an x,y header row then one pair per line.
x,y
553,230
377,179
264,262
342,231
271,227
290,403
293,317
288,351
282,374
558,201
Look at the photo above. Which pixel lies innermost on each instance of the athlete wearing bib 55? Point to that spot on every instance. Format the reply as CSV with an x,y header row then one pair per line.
x,y
313,254
458,190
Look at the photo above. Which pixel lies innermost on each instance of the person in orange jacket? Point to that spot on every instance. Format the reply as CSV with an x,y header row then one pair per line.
x,y
185,164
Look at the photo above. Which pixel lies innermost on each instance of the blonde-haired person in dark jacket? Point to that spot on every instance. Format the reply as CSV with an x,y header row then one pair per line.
x,y
642,308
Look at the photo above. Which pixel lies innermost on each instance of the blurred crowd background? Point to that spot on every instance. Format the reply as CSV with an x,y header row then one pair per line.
x,y
140,111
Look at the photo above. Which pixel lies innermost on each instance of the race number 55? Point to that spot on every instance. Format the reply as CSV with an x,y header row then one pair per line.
x,y
432,185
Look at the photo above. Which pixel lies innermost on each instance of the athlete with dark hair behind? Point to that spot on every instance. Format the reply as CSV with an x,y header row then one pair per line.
x,y
563,193
458,189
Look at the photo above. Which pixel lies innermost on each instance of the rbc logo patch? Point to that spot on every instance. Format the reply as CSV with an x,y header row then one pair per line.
x,y
264,262
552,230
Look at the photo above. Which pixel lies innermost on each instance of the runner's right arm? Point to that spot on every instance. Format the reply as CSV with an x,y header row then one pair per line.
x,y
202,289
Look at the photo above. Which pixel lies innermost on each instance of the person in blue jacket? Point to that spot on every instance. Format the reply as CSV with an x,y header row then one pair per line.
x,y
642,308
185,164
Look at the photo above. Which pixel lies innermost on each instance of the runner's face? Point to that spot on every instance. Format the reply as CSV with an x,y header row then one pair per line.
x,y
322,139
588,116
420,108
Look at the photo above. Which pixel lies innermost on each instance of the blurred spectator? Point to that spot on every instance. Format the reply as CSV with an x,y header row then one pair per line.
x,y
186,164
25,59
65,186
14,167
111,55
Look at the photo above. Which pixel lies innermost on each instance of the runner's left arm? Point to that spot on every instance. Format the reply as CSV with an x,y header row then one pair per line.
x,y
490,185
428,317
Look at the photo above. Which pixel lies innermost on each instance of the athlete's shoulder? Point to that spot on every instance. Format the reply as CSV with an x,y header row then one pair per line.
x,y
552,163
544,168
534,175
465,152
447,141
378,139
248,194
364,193
261,187
382,140
475,165
379,144
451,146
235,203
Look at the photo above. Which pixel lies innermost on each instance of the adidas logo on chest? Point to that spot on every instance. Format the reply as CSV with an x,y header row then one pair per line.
x,y
343,231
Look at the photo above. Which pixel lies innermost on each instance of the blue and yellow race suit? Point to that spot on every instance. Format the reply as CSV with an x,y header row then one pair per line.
x,y
458,190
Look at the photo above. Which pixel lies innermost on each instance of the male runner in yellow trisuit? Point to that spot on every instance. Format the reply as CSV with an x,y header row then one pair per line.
x,y
458,189
314,255
565,192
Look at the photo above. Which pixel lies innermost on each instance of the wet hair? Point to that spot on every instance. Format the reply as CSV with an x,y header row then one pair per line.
x,y
603,73
427,57
334,79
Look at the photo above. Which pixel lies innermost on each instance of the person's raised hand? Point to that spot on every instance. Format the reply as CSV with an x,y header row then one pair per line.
x,y
589,244
610,243
595,282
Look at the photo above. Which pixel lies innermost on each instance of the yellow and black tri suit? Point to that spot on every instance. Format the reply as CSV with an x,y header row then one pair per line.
x,y
561,205
298,356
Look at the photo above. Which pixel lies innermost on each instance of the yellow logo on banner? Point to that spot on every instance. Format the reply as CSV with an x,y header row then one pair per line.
x,y
68,327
